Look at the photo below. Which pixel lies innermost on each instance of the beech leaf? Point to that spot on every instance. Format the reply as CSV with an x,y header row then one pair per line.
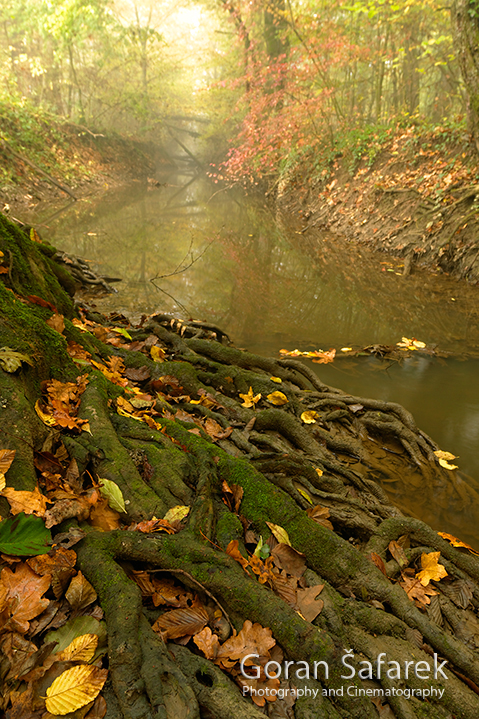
x,y
113,493
81,649
74,688
277,398
176,514
280,533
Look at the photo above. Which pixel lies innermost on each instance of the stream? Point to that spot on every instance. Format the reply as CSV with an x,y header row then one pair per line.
x,y
228,259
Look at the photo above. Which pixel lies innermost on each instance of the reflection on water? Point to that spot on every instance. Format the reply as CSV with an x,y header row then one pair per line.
x,y
270,286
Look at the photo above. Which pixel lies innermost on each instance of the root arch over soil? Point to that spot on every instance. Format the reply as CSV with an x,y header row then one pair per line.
x,y
283,467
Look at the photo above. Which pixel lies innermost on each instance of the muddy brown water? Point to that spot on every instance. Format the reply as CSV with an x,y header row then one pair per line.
x,y
272,286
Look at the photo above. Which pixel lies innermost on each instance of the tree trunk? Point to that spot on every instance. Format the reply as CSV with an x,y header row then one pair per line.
x,y
238,468
465,27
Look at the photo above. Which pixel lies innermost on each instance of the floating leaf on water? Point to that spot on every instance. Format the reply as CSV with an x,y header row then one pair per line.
x,y
446,464
444,455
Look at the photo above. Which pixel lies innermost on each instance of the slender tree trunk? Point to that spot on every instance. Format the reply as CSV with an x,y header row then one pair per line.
x,y
465,28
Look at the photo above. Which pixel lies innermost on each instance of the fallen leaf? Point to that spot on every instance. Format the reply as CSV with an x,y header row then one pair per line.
x,y
307,602
309,417
46,418
57,323
233,551
59,566
207,642
81,649
431,569
416,591
277,398
74,688
325,357
24,595
80,593
113,494
157,354
10,360
24,536
278,380
6,459
176,514
181,622
446,464
287,558
398,553
320,515
444,455
280,533
377,560
28,502
457,542
102,516
250,399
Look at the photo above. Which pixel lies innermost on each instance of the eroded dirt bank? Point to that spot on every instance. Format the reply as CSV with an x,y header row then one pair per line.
x,y
414,195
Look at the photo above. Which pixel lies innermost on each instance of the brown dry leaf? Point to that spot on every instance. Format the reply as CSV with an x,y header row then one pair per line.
x,y
24,595
252,639
308,605
102,516
287,558
457,542
60,567
181,622
277,398
21,653
215,430
6,458
415,590
29,502
98,709
75,688
57,323
233,551
264,570
250,399
67,509
76,351
376,559
80,593
325,357
431,569
320,514
166,593
81,649
46,417
138,375
233,496
207,642
398,553
285,587
155,525
206,399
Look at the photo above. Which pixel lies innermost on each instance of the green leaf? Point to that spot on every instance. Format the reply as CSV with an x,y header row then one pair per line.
x,y
76,627
24,536
113,493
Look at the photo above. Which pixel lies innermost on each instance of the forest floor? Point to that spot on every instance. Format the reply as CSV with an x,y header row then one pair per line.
x,y
411,192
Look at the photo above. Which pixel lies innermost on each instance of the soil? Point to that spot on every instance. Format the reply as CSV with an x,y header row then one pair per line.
x,y
415,196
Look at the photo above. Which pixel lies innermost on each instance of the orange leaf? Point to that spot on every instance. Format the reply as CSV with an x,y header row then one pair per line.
x,y
24,595
28,502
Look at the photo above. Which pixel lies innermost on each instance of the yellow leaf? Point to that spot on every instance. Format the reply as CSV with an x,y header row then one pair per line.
x,y
176,514
81,649
418,344
319,471
280,533
47,419
278,380
446,465
277,398
157,354
309,417
250,399
74,688
346,349
444,455
29,502
304,494
430,568
457,542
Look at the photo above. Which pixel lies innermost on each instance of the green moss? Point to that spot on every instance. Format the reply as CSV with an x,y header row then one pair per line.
x,y
228,528
30,272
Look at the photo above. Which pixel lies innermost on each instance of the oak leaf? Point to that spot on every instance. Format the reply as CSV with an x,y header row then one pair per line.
x,y
207,642
416,591
457,542
24,596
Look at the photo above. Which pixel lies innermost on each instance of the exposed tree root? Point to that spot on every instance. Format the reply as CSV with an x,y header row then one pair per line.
x,y
284,467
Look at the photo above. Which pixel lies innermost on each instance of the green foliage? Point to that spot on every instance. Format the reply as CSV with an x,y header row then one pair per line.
x,y
24,536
